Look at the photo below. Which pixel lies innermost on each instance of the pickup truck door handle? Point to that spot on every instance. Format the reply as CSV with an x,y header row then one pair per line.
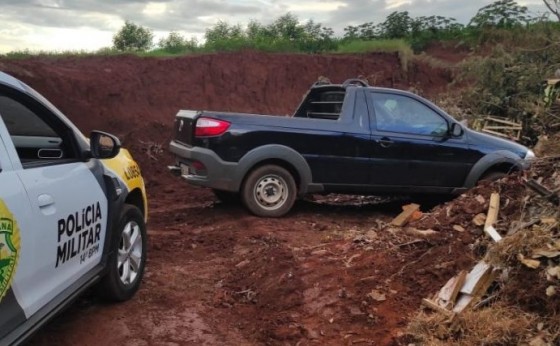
x,y
46,204
385,142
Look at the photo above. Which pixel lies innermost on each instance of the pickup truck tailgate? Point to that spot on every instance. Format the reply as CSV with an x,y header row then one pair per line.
x,y
184,126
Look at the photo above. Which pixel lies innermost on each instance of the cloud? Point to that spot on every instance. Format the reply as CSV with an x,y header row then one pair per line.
x,y
97,20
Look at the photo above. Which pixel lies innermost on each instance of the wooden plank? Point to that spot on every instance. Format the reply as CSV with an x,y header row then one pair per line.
x,y
421,233
448,293
502,127
531,263
462,303
497,122
495,133
496,127
484,284
502,121
492,217
545,253
476,278
432,305
493,208
491,231
404,217
516,134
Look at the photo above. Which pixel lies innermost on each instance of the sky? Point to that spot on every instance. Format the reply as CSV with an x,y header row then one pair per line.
x,y
57,25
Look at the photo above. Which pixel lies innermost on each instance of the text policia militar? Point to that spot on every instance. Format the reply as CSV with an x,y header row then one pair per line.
x,y
79,234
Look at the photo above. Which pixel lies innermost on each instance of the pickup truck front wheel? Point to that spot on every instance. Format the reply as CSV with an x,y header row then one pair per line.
x,y
269,191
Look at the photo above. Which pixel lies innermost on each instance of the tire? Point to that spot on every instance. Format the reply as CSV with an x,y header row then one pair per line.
x,y
269,191
128,256
227,197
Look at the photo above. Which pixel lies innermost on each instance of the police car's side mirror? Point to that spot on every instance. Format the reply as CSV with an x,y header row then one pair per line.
x,y
104,145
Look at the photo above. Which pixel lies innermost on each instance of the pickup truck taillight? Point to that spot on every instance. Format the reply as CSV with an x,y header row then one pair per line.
x,y
206,127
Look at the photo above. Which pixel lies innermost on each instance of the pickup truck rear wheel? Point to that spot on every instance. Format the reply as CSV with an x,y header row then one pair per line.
x,y
269,191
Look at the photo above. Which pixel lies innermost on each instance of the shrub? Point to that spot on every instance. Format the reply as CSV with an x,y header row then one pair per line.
x,y
132,37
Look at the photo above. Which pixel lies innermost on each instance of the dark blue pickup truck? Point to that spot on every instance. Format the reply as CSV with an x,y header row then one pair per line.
x,y
345,138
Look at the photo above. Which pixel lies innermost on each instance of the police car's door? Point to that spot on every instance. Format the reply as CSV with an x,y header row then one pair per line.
x,y
67,202
14,216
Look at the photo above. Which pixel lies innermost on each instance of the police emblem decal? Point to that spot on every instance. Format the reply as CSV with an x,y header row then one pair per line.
x,y
9,248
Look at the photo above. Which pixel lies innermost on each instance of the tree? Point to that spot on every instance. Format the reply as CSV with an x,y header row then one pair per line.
x,y
397,25
501,14
222,31
554,7
132,37
287,27
365,31
256,30
176,43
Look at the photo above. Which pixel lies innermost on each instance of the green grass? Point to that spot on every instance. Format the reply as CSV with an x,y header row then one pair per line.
x,y
161,53
386,46
281,46
26,53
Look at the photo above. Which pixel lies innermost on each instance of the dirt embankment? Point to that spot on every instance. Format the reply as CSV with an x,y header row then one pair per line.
x,y
119,91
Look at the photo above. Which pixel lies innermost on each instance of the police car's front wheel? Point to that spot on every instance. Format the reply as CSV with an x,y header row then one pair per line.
x,y
128,258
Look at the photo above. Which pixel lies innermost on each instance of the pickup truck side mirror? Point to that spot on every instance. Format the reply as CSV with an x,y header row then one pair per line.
x,y
456,130
104,145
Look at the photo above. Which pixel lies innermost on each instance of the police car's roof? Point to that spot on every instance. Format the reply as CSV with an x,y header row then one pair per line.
x,y
11,81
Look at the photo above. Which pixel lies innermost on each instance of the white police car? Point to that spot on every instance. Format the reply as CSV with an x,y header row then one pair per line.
x,y
73,213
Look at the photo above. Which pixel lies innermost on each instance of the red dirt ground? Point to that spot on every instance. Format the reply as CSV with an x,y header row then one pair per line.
x,y
330,273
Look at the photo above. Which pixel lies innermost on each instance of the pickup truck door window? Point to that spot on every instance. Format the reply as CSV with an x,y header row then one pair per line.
x,y
412,146
68,207
395,113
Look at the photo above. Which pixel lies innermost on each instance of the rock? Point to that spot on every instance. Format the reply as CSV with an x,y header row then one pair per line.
x,y
458,228
553,272
242,263
479,219
377,296
355,311
321,252
312,334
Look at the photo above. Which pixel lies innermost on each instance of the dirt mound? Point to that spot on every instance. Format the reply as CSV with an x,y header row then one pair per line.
x,y
527,256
